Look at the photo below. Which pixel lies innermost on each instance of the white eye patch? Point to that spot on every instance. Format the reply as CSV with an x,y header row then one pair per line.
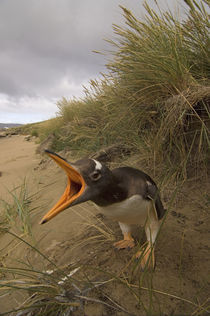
x,y
98,165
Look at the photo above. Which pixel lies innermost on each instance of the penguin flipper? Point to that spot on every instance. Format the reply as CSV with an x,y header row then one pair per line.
x,y
153,194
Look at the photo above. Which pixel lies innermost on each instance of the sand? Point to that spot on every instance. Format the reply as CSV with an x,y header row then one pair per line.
x,y
182,252
17,160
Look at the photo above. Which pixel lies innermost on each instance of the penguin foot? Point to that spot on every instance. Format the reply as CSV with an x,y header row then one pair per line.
x,y
146,257
127,242
122,244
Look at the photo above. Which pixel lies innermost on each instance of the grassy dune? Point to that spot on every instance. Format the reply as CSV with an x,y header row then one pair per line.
x,y
153,98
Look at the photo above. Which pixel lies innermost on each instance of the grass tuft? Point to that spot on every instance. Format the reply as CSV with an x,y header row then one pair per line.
x,y
17,213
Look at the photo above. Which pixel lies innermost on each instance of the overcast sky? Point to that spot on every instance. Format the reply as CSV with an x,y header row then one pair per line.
x,y
47,51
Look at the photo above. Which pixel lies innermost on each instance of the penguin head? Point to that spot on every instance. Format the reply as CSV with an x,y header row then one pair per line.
x,y
87,180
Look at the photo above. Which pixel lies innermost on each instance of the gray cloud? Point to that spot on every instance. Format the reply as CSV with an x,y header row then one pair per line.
x,y
46,47
42,41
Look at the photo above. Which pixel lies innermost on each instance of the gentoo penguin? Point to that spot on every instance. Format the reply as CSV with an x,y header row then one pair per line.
x,y
125,194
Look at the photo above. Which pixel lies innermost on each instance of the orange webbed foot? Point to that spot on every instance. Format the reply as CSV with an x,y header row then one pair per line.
x,y
123,244
127,242
146,257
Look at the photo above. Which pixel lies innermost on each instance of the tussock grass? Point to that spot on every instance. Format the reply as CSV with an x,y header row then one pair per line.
x,y
154,97
44,290
17,212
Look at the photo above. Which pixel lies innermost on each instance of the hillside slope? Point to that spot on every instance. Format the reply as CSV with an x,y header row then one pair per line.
x,y
81,238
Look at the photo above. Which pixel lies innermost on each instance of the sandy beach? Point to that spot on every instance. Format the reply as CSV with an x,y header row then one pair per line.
x,y
17,161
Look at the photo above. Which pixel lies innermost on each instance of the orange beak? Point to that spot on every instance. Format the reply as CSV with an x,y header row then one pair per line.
x,y
75,187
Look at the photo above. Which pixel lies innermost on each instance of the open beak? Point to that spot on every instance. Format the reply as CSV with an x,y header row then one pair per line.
x,y
75,187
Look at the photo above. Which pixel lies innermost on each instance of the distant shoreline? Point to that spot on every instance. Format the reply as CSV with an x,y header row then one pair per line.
x,y
9,125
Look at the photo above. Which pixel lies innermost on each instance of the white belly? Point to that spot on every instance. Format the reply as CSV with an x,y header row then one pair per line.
x,y
132,211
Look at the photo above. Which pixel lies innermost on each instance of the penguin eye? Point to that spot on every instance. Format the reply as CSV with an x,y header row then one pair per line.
x,y
96,175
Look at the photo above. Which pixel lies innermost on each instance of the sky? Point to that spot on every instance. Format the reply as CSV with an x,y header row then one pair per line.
x,y
47,51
